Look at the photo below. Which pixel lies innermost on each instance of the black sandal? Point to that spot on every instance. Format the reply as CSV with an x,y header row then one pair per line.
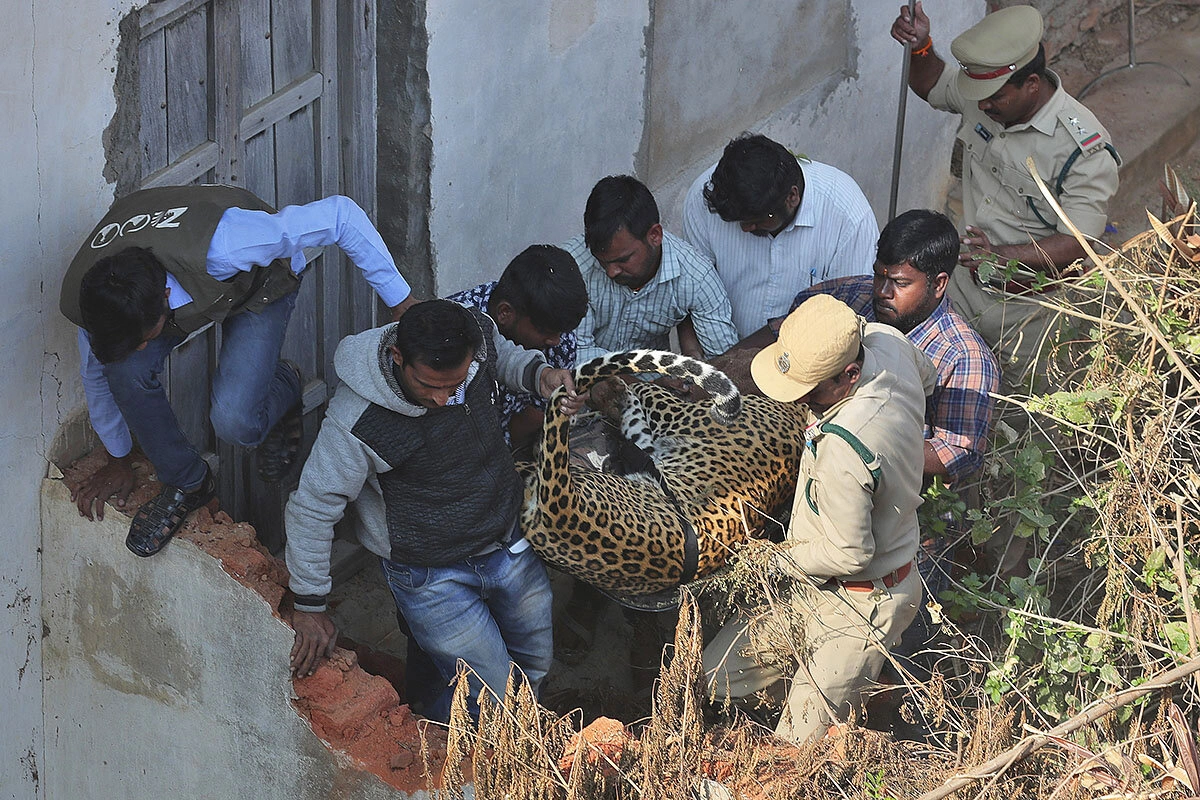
x,y
161,518
277,453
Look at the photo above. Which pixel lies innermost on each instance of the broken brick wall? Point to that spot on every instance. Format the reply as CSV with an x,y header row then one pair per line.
x,y
168,676
1067,21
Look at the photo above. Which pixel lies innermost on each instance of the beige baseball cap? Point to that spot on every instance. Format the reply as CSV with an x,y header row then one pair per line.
x,y
816,342
991,51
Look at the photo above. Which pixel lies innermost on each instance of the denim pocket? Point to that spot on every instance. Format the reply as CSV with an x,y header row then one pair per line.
x,y
404,575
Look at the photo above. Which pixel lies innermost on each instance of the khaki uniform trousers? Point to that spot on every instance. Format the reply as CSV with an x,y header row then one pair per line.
x,y
846,632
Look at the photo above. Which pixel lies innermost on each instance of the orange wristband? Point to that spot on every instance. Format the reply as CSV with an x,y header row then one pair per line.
x,y
924,49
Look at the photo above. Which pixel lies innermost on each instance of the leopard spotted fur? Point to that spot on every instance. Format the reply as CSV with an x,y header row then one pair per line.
x,y
728,462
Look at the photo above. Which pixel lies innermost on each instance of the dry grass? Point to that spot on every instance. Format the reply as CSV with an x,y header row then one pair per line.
x,y
1122,565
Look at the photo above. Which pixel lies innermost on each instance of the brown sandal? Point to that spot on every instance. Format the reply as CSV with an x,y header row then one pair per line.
x,y
161,518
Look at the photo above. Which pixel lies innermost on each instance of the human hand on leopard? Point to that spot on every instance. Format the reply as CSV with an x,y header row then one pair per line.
x,y
551,379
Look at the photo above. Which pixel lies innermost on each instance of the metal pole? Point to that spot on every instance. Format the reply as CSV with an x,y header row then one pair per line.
x,y
1132,38
899,146
1133,62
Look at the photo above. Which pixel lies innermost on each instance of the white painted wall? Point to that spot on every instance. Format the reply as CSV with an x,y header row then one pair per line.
x,y
166,678
530,107
531,103
851,124
57,76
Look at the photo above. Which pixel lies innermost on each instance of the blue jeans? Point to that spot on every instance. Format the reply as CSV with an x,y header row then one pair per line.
x,y
486,610
251,391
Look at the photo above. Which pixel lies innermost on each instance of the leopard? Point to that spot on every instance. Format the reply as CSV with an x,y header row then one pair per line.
x,y
718,470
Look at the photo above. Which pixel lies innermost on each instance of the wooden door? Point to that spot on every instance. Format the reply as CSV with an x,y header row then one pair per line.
x,y
276,96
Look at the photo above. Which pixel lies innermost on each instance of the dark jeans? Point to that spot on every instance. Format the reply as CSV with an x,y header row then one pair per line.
x,y
251,391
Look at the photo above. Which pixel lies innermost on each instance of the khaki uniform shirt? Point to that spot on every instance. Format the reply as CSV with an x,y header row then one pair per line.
x,y
997,185
846,521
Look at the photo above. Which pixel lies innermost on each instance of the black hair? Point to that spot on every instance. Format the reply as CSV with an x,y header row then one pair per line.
x,y
437,333
752,179
925,239
121,300
618,201
1035,67
543,283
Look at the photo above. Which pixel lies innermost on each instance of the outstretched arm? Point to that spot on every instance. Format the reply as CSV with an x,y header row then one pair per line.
x,y
115,478
245,239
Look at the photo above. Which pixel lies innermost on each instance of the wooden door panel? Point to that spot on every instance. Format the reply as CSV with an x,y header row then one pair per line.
x,y
246,92
187,46
152,71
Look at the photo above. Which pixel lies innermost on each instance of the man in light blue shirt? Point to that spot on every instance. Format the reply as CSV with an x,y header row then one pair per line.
x,y
775,224
162,264
643,281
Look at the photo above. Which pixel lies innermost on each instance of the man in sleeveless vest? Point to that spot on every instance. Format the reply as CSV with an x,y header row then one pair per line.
x,y
160,265
853,532
413,436
1012,108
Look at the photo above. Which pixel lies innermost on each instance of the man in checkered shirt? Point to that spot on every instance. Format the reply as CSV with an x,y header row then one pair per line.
x,y
537,303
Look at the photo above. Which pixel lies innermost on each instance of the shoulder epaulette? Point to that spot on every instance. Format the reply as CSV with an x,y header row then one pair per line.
x,y
1089,139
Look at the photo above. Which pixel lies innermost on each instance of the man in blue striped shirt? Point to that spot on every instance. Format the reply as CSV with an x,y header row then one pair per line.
x,y
774,225
643,281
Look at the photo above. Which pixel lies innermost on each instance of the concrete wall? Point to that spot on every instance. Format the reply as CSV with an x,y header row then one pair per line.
x,y
165,677
531,103
58,98
715,67
531,106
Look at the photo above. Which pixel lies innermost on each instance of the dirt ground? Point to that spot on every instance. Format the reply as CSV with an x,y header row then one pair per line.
x,y
1105,42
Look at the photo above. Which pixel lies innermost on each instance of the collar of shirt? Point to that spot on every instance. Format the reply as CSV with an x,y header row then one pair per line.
x,y
669,267
922,334
806,214
460,394
179,296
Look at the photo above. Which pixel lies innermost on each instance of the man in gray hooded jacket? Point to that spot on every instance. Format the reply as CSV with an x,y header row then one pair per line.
x,y
413,434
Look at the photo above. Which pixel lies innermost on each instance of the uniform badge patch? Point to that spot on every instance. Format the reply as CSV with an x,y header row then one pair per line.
x,y
983,132
1089,141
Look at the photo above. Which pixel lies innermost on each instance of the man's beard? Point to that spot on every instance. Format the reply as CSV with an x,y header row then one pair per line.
x,y
906,322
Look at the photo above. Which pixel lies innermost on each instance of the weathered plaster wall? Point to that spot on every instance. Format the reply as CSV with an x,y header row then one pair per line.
x,y
714,67
166,677
531,103
844,117
529,108
57,100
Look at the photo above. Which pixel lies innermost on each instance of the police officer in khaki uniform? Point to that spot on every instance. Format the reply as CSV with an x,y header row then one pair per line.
x,y
853,531
1012,107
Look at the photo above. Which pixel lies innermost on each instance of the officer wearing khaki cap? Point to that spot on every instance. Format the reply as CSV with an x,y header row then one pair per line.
x,y
853,531
1013,107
